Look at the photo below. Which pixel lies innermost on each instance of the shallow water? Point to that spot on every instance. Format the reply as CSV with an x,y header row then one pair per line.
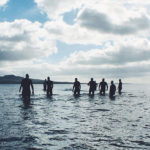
x,y
65,122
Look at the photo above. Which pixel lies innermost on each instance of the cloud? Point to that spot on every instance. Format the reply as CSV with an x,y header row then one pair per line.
x,y
24,40
3,2
84,73
56,8
110,55
117,9
120,28
95,20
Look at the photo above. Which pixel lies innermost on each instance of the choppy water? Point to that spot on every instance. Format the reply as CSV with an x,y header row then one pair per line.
x,y
64,122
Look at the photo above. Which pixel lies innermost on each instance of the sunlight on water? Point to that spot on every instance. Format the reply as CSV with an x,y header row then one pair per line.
x,y
67,122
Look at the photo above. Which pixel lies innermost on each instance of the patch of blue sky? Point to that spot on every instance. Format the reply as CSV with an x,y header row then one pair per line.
x,y
65,50
22,9
69,17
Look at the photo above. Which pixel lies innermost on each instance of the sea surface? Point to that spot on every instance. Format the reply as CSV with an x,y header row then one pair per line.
x,y
65,122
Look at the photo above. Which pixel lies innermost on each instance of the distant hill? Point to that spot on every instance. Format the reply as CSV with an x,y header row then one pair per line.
x,y
12,79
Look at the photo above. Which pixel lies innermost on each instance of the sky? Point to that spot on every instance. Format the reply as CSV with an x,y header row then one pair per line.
x,y
65,39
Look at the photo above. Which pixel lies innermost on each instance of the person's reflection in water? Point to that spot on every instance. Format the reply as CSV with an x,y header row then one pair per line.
x,y
25,87
112,90
119,86
76,87
49,87
92,87
102,87
44,85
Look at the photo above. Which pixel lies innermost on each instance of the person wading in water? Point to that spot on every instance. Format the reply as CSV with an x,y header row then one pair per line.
x,y
26,83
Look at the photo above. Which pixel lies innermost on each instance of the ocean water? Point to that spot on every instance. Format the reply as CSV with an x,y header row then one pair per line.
x,y
65,122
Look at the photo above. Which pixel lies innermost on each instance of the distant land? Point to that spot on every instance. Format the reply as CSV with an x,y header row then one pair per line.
x,y
12,79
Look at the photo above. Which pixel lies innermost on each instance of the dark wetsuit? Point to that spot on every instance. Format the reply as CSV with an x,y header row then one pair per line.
x,y
49,87
92,88
76,87
112,90
103,86
120,87
25,83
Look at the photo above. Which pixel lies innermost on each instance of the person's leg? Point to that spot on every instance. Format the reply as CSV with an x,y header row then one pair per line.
x,y
93,92
75,92
47,92
119,90
51,92
110,94
78,92
104,93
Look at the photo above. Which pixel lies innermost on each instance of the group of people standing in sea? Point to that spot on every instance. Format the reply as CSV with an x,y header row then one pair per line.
x,y
48,87
103,86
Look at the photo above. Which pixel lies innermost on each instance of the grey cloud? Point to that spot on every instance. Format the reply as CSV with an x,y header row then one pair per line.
x,y
22,40
16,55
15,38
94,20
123,56
123,71
131,54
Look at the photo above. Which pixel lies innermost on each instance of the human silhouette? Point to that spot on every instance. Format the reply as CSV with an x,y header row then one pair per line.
x,y
44,85
76,87
112,90
119,86
49,87
92,86
25,86
102,87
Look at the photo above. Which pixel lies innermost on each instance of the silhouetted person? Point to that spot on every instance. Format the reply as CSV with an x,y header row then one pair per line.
x,y
76,87
103,86
119,86
112,90
92,87
49,87
25,86
44,85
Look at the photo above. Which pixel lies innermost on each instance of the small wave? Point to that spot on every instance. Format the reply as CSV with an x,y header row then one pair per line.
x,y
12,139
67,89
40,123
104,110
131,95
114,120
78,146
47,145
64,118
29,139
87,133
141,143
124,146
56,132
32,148
57,139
